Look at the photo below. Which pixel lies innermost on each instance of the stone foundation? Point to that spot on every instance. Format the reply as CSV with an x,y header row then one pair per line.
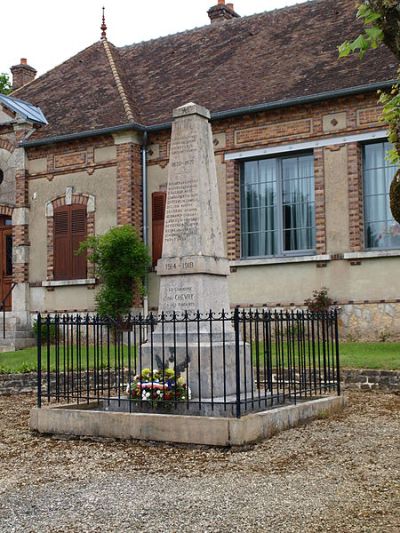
x,y
372,322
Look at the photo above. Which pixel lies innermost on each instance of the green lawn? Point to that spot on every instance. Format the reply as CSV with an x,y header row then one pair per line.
x,y
382,355
26,360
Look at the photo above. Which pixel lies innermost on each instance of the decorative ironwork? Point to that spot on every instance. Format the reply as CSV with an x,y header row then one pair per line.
x,y
230,363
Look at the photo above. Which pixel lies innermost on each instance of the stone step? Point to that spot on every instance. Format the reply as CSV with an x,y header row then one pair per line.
x,y
12,345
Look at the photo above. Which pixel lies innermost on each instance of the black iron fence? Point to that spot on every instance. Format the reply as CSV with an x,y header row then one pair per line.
x,y
226,364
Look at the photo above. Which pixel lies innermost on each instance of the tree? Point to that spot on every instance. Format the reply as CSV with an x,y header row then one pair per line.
x,y
5,84
381,19
121,261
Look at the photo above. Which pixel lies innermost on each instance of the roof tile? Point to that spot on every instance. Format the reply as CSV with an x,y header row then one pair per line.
x,y
268,57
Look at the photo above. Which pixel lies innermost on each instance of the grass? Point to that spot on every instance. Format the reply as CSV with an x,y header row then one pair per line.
x,y
381,355
26,360
373,355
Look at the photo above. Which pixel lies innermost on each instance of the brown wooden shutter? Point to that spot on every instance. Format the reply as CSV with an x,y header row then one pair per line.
x,y
158,201
69,231
62,259
79,234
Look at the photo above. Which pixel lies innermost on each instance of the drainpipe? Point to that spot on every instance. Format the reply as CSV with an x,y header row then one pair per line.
x,y
145,216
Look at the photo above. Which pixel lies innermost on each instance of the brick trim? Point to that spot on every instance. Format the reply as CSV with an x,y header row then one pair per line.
x,y
355,195
319,189
77,199
233,209
6,210
129,185
6,145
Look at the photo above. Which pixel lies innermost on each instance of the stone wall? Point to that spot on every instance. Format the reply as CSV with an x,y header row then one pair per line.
x,y
18,383
385,380
370,321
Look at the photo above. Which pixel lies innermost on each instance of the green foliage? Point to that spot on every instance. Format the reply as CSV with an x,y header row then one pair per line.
x,y
391,116
46,332
121,261
380,18
319,302
372,37
395,197
5,84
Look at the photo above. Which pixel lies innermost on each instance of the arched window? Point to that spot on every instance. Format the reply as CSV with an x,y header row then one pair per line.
x,y
70,229
1,176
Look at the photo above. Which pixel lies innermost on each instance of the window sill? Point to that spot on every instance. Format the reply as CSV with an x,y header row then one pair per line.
x,y
371,255
68,282
281,260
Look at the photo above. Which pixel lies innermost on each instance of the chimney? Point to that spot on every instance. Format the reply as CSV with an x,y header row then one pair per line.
x,y
222,12
22,74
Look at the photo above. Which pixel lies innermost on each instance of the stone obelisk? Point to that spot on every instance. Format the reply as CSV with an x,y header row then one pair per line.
x,y
193,269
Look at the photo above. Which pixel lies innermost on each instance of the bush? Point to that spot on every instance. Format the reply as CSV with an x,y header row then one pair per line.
x,y
121,261
395,197
319,302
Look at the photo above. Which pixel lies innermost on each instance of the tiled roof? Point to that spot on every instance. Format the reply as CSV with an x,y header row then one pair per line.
x,y
80,94
268,57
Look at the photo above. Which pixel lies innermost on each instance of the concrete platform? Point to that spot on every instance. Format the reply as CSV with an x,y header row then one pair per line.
x,y
88,420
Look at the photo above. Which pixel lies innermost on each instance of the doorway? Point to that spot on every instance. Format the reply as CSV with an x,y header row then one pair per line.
x,y
6,266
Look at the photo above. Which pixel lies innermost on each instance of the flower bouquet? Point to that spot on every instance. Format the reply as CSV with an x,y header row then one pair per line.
x,y
158,387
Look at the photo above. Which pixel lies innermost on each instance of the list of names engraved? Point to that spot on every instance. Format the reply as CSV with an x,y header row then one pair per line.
x,y
182,213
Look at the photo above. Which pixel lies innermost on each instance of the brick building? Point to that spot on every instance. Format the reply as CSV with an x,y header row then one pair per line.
x,y
300,155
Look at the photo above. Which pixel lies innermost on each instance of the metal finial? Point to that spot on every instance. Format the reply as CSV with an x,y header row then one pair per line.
x,y
103,27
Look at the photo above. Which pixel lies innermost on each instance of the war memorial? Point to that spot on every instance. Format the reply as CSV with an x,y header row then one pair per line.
x,y
198,371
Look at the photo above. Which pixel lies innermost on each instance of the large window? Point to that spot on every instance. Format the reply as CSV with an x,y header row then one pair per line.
x,y
70,230
277,206
381,230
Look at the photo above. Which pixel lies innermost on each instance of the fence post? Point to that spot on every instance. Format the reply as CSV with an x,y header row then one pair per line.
x,y
237,354
337,351
39,360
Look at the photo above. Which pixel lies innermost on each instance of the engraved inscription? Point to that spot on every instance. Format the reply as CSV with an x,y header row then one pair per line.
x,y
182,213
184,265
182,298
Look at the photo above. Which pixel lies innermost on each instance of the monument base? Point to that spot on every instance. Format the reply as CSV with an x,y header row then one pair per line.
x,y
90,421
209,368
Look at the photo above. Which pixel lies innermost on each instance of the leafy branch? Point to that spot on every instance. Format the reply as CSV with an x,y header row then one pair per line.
x,y
381,19
372,36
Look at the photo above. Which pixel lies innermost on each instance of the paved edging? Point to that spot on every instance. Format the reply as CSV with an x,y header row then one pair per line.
x,y
218,431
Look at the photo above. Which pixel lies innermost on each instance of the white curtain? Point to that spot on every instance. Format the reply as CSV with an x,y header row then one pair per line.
x,y
381,229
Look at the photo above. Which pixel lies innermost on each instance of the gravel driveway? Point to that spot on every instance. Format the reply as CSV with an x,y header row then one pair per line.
x,y
339,474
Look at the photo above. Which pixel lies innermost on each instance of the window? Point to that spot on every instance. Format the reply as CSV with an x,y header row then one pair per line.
x,y
158,201
277,206
381,230
69,231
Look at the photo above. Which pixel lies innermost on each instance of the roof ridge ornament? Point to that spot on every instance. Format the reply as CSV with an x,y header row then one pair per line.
x,y
103,27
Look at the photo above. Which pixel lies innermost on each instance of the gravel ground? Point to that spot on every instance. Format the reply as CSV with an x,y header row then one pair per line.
x,y
339,474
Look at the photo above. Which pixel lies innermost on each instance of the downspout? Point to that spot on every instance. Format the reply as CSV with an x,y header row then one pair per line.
x,y
145,217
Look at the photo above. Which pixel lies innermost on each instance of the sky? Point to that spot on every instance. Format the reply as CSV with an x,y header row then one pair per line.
x,y
48,32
